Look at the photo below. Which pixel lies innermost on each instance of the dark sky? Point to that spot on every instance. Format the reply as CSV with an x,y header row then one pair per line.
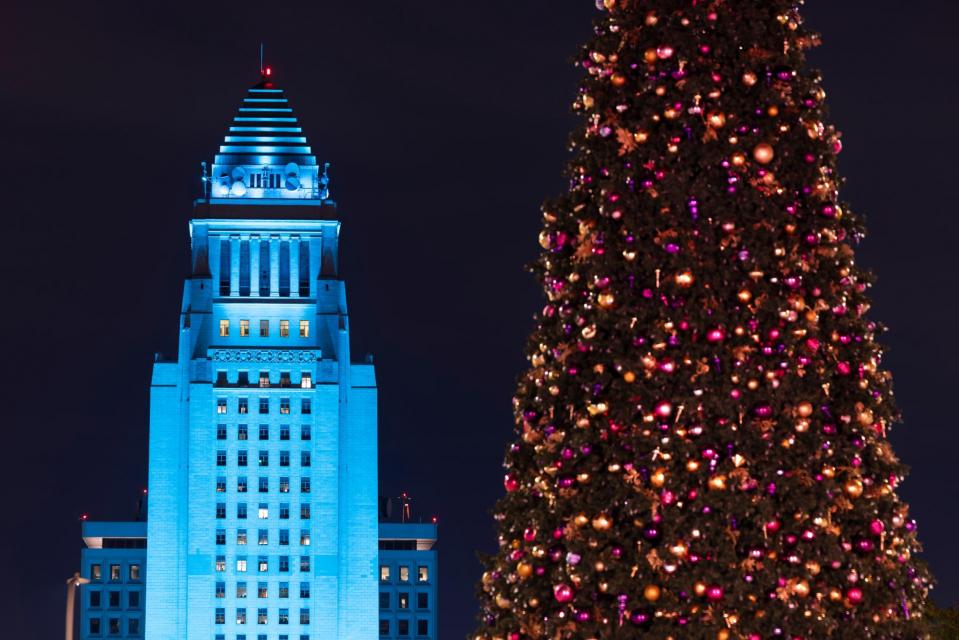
x,y
446,125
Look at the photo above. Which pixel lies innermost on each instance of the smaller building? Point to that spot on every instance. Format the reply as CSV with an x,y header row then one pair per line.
x,y
114,560
408,581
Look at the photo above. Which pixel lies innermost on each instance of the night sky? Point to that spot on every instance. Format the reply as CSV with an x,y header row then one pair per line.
x,y
446,126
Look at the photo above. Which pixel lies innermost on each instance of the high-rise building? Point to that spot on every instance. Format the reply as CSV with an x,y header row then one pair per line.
x,y
113,559
263,464
408,581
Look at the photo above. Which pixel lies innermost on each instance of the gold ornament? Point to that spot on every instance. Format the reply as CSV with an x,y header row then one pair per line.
x,y
524,570
685,279
652,593
629,377
716,119
854,488
764,153
581,520
739,159
658,477
718,483
602,522
804,409
699,588
750,78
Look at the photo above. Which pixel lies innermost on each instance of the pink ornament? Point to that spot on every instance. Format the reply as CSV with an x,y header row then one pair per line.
x,y
563,593
510,483
664,52
716,335
877,527
663,409
854,595
714,593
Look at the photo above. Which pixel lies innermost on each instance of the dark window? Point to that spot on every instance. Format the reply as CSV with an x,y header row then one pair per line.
x,y
304,458
285,379
284,484
422,627
264,485
304,485
114,626
241,458
304,590
284,564
284,432
221,432
241,432
384,627
95,626
284,537
384,600
94,599
306,406
403,627
422,600
264,458
306,432
220,536
264,405
264,432
133,599
220,510
221,458
284,458
241,484
221,485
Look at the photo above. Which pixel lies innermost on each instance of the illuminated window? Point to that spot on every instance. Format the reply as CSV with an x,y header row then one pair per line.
x,y
284,482
264,379
241,590
264,432
422,600
220,563
261,616
221,432
221,485
306,406
220,590
241,616
243,405
220,536
219,617
114,572
423,574
96,572
241,484
244,328
306,380
262,564
241,564
263,511
384,573
284,328
242,433
284,432
264,328
284,616
264,485
241,536
304,485
263,536
224,328
422,627
404,574
404,600
262,590
305,538
221,405
285,406
304,328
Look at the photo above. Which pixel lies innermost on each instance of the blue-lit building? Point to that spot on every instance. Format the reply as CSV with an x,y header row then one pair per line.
x,y
408,581
114,560
262,507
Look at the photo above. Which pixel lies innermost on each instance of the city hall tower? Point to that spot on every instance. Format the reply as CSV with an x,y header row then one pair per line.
x,y
262,506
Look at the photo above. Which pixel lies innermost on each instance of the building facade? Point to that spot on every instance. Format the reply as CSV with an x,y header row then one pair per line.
x,y
408,575
262,506
113,558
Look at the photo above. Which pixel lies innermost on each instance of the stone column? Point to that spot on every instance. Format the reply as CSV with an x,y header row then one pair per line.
x,y
254,265
234,266
274,266
294,266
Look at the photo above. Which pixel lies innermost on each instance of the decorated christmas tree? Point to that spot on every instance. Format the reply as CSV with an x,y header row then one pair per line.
x,y
702,434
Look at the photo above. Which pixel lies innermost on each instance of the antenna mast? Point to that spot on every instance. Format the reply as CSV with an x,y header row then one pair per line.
x,y
261,58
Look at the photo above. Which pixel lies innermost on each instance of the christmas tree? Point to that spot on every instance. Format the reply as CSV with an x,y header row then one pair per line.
x,y
702,431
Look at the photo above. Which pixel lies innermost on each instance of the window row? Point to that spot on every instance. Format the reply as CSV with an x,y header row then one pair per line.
x,y
263,431
264,382
263,484
263,590
243,406
262,511
95,599
422,573
263,458
403,600
403,627
115,573
262,564
262,616
262,636
304,330
113,626
263,537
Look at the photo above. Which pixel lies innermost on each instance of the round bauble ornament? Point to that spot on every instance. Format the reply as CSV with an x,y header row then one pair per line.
x,y
764,153
510,483
652,592
602,522
563,592
714,593
854,595
524,570
854,488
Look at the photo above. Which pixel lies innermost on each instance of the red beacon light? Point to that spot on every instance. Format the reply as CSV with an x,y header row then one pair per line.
x,y
268,71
